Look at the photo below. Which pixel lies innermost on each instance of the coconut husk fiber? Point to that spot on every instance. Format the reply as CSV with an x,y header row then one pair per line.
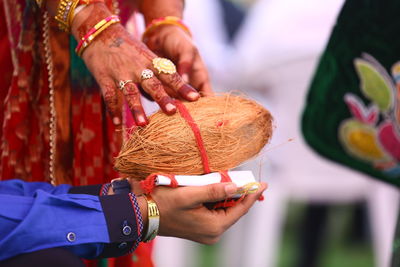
x,y
233,128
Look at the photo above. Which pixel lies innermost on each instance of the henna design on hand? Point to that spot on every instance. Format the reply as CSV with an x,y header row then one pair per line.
x,y
117,42
132,95
175,82
111,99
156,89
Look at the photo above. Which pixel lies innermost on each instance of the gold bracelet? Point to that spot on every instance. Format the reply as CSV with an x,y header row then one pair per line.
x,y
153,217
64,13
94,32
168,20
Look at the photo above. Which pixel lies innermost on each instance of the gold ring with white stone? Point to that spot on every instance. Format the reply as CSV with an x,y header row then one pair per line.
x,y
147,74
164,65
122,83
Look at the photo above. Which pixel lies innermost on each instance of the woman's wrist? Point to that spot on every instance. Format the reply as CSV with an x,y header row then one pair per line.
x,y
87,18
158,23
154,9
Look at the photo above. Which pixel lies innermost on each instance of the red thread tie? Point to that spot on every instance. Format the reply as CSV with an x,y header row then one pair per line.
x,y
225,178
149,183
196,131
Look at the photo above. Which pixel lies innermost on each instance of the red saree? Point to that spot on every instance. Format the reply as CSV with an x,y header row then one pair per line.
x,y
54,124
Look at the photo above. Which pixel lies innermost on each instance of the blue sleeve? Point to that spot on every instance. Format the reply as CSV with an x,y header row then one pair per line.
x,y
20,188
44,221
35,216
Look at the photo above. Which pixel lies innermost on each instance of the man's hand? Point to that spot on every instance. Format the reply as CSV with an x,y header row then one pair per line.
x,y
183,213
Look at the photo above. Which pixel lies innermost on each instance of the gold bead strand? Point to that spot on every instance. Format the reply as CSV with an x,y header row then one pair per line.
x,y
52,124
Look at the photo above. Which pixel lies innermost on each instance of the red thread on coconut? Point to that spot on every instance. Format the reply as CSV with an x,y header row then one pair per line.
x,y
197,135
149,183
225,178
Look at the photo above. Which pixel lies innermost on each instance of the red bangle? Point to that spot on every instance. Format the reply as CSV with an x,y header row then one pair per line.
x,y
93,32
171,20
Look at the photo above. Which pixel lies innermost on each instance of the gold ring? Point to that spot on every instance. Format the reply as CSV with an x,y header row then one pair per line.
x,y
122,83
164,65
147,74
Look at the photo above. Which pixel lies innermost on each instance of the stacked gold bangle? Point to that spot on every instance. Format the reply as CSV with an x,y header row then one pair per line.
x,y
94,32
65,11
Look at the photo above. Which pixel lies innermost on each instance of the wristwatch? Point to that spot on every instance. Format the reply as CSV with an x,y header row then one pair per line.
x,y
121,186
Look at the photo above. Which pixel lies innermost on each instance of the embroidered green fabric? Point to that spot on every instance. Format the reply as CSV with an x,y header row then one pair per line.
x,y
351,114
353,95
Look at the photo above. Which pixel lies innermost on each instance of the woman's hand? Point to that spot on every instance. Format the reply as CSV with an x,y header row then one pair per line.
x,y
174,43
115,56
183,213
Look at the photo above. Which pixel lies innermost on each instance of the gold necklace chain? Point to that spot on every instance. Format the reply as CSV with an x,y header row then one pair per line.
x,y
52,125
49,65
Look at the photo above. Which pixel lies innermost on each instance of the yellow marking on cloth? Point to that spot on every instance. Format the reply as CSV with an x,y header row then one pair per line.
x,y
365,143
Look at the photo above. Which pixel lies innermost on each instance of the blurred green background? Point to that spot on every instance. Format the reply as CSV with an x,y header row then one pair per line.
x,y
344,239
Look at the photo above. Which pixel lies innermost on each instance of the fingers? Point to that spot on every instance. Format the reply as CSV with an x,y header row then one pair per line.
x,y
241,208
156,90
222,219
132,96
208,193
175,82
199,77
185,65
111,99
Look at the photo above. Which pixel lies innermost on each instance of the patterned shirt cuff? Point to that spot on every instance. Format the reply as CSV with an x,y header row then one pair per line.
x,y
104,189
124,223
139,221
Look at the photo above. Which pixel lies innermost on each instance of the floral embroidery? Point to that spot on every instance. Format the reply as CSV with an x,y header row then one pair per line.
x,y
372,133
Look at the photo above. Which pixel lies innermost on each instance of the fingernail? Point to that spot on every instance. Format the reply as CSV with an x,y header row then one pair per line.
x,y
193,95
185,77
141,119
170,107
116,121
230,189
188,92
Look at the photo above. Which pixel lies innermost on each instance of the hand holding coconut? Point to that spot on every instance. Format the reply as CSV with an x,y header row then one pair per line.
x,y
184,215
214,134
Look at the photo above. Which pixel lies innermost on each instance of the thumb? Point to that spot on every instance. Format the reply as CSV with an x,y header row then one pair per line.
x,y
212,193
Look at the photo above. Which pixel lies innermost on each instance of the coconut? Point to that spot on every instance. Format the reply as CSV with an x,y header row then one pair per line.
x,y
233,130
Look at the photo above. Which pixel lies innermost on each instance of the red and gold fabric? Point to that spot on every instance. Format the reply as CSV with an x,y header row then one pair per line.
x,y
54,124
